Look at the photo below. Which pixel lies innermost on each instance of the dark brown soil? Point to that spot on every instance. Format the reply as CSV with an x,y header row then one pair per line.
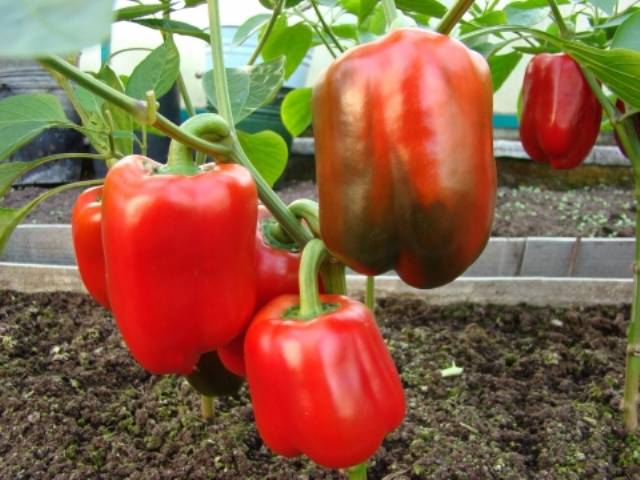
x,y
538,398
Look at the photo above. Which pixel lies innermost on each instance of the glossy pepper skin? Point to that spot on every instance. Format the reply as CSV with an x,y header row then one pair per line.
x,y
86,220
180,259
276,274
636,123
561,116
326,387
404,157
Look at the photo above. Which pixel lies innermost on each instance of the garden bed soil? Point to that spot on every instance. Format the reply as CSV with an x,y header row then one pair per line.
x,y
528,210
538,398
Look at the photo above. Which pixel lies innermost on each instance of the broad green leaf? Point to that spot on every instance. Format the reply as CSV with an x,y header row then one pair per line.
x,y
173,26
345,30
40,27
137,11
89,102
267,151
617,19
618,68
11,217
158,72
360,8
496,17
291,41
24,117
122,121
296,110
501,67
628,34
525,16
607,6
376,24
432,8
250,87
248,28
11,171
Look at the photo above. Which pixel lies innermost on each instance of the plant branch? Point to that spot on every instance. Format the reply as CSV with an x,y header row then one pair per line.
x,y
557,16
263,40
390,11
453,16
326,27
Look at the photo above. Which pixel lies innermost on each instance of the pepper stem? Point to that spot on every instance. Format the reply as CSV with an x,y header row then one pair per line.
x,y
313,255
453,16
207,407
204,125
359,472
370,296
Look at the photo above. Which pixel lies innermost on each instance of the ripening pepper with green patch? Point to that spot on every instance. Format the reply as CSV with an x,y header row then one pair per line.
x,y
404,157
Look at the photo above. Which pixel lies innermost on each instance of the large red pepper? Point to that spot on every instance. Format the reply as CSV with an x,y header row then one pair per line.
x,y
86,231
326,387
404,154
277,268
561,116
180,258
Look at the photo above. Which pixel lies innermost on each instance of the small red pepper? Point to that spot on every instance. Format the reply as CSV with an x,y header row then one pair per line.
x,y
180,258
325,387
277,268
636,123
86,220
560,114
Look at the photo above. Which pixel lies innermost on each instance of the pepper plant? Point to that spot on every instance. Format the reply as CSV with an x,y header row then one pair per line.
x,y
203,285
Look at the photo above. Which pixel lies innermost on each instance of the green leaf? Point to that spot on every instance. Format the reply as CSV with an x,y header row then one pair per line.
x,y
250,87
291,41
11,217
607,6
270,4
122,121
497,17
345,30
617,19
501,67
432,8
628,34
158,71
248,28
376,24
360,8
137,11
173,26
267,151
518,14
296,110
618,68
40,27
24,117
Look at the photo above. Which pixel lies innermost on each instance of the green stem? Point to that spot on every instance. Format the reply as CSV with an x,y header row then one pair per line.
x,y
186,98
631,144
557,16
205,125
370,297
326,27
313,255
318,31
390,11
207,407
275,205
632,370
263,40
137,108
359,472
453,16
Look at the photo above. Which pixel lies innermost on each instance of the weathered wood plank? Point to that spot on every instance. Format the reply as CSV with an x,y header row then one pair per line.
x,y
547,257
47,244
500,258
501,290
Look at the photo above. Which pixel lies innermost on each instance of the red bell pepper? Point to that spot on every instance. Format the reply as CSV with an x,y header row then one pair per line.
x,y
277,268
325,387
404,157
636,123
560,114
86,219
180,258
